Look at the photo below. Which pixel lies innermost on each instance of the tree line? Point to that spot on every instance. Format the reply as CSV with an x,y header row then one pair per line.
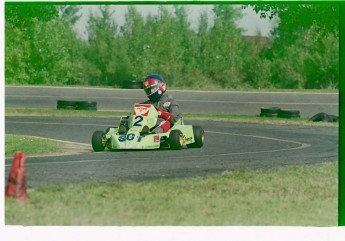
x,y
41,47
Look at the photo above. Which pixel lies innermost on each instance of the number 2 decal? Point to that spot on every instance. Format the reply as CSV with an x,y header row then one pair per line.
x,y
138,119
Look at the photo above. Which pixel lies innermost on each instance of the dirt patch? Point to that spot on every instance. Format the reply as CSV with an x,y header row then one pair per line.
x,y
74,149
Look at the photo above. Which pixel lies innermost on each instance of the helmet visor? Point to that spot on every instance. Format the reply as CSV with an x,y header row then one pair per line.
x,y
151,87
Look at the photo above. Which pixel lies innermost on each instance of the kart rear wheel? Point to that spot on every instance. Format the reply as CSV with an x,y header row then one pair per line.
x,y
98,141
199,137
176,139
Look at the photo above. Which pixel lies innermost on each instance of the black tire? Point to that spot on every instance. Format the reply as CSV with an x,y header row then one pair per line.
x,y
176,140
268,114
320,117
98,141
324,118
289,114
333,118
66,107
86,103
66,103
199,137
269,111
76,105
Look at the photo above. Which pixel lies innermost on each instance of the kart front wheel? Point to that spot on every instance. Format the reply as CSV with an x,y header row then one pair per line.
x,y
176,139
98,141
199,137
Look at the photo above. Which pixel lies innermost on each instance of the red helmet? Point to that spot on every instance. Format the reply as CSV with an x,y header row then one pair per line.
x,y
154,87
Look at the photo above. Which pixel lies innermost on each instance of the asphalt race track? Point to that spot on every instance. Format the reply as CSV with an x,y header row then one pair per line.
x,y
228,146
210,102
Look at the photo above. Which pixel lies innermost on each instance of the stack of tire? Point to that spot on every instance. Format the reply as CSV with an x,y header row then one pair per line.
x,y
277,112
76,105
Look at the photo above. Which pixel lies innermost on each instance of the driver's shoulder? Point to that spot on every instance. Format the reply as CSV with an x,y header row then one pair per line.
x,y
166,98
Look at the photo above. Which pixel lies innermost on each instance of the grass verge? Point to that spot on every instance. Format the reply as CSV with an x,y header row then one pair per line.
x,y
30,145
294,196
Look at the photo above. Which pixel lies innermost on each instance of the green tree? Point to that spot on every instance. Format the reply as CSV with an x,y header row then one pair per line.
x,y
162,52
55,54
165,49
300,55
257,68
312,61
203,42
22,15
296,17
135,40
188,47
198,72
41,48
105,52
16,57
70,12
225,48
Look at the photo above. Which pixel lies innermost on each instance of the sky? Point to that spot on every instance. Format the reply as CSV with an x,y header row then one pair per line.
x,y
250,22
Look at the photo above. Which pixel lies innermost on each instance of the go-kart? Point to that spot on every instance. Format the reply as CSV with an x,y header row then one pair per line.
x,y
146,115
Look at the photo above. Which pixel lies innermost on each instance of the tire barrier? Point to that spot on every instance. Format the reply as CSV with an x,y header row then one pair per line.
x,y
269,111
76,105
289,114
323,117
277,112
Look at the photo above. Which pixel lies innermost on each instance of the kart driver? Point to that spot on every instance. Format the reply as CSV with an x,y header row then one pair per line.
x,y
168,110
